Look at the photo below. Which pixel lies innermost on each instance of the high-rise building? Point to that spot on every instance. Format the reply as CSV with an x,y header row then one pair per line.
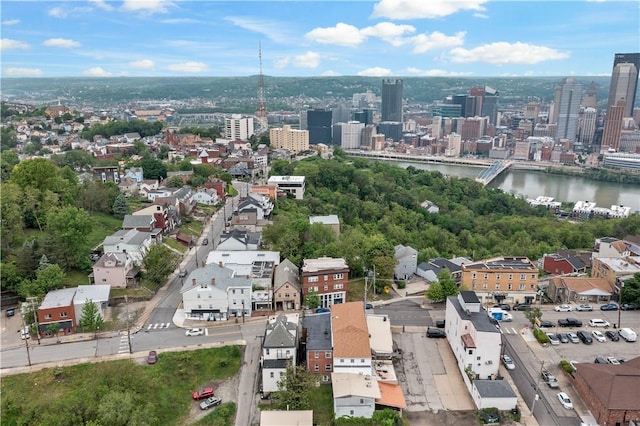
x,y
238,127
490,105
293,140
590,99
613,126
556,105
392,100
348,135
365,116
436,127
624,81
569,109
587,126
319,122
629,58
467,105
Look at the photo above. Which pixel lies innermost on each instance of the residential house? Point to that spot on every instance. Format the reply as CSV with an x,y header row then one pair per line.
x,y
239,239
247,219
610,247
205,196
286,418
286,285
381,342
155,194
350,335
242,262
268,190
610,391
354,395
106,174
161,216
279,348
493,394
331,221
558,264
115,270
318,346
261,204
98,294
580,290
406,262
184,197
128,187
135,173
429,270
185,175
57,308
328,277
431,207
615,270
216,293
133,242
502,279
132,137
295,185
143,223
148,185
219,185
261,276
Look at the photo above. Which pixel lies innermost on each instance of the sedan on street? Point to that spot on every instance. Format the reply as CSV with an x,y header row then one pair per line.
x,y
508,362
195,332
599,336
584,308
203,393
565,400
563,308
630,307
609,307
212,401
573,337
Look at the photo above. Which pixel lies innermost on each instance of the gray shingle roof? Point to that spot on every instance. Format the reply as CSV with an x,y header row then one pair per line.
x,y
318,331
494,389
137,221
280,334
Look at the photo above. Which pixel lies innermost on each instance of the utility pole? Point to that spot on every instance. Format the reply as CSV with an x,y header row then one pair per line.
x,y
26,341
374,279
32,301
126,302
535,389
243,311
620,304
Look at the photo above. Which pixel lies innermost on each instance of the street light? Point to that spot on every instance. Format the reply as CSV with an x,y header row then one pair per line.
x,y
620,304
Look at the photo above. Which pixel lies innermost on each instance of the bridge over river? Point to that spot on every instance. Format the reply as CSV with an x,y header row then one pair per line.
x,y
487,175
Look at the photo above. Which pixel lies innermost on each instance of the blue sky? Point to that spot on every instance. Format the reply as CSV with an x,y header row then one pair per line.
x,y
316,38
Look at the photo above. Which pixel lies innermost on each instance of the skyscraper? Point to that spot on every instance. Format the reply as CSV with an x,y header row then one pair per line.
x,y
569,109
624,81
490,105
628,58
613,126
319,124
391,100
590,99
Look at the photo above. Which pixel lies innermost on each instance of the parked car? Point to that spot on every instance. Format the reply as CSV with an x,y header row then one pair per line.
x,y
435,332
547,324
563,308
612,336
573,337
183,273
24,333
600,360
508,362
630,307
569,322
521,307
205,242
11,312
195,332
368,306
584,308
613,360
440,323
609,307
152,358
563,337
599,336
597,322
628,334
503,306
322,310
203,393
553,339
212,401
565,400
549,379
490,417
585,337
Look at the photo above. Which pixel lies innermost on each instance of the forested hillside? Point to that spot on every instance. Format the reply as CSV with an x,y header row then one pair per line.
x,y
379,207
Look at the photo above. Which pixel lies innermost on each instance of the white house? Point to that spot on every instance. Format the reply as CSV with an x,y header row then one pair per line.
x,y
350,339
292,184
133,242
354,395
279,347
239,239
493,393
206,196
242,261
262,206
215,293
407,262
98,294
135,173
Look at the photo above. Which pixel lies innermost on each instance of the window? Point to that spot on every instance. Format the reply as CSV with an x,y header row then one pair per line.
x,y
533,286
352,360
295,294
233,291
533,276
271,375
325,378
361,361
313,279
361,401
267,351
327,354
473,286
351,412
198,295
497,276
316,354
338,276
286,295
497,286
326,288
63,314
279,295
478,358
470,351
47,316
326,277
522,286
327,367
316,368
485,286
486,276
523,277
313,288
338,286
510,286
473,275
510,276
242,291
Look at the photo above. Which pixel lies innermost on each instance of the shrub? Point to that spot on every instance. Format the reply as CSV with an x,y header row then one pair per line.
x,y
540,336
566,366
401,284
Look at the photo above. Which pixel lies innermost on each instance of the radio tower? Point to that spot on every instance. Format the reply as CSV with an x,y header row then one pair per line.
x,y
262,102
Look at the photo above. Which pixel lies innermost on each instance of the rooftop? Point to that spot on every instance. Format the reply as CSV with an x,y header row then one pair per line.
x,y
503,263
349,384
480,320
350,331
323,264
58,298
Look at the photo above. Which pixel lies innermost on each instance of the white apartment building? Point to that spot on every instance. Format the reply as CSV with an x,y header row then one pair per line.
x,y
238,127
292,184
293,140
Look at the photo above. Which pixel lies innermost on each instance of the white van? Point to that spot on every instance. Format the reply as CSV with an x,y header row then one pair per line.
x,y
627,334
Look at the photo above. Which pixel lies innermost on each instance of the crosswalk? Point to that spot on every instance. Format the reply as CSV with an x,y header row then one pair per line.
x,y
506,330
158,326
124,344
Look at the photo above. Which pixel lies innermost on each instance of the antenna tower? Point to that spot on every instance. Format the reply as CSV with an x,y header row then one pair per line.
x,y
262,102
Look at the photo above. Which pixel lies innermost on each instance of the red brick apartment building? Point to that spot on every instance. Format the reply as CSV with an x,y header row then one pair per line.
x,y
327,276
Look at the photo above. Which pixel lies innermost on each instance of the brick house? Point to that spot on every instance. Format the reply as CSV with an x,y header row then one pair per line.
x,y
557,264
57,308
317,345
579,290
607,391
328,277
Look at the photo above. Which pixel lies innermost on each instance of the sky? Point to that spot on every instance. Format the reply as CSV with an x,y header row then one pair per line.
x,y
384,38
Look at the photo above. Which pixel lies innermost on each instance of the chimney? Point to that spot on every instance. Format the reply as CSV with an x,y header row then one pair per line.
x,y
220,264
193,281
213,282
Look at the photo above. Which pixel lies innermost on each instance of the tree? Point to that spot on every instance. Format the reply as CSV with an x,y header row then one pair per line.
x,y
54,329
312,300
445,286
10,277
532,313
294,388
67,243
38,173
120,206
159,263
153,169
90,319
631,292
174,182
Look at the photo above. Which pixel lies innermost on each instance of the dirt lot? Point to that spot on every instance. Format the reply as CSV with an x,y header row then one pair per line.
x,y
226,389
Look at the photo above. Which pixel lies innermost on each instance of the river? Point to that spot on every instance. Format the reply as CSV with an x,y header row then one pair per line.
x,y
531,184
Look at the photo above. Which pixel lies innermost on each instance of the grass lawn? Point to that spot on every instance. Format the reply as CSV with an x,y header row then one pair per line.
x,y
103,226
193,228
125,390
356,292
175,245
75,278
322,405
221,416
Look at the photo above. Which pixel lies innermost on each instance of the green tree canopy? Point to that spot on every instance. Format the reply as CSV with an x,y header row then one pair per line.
x,y
90,318
120,206
159,263
294,388
67,240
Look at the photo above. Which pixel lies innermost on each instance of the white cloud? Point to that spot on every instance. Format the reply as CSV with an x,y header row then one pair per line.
x,y
276,31
189,66
330,73
57,12
143,64
436,40
389,32
24,72
501,53
61,42
420,9
341,34
147,6
282,63
101,4
180,21
375,72
307,60
11,22
7,43
96,72
436,73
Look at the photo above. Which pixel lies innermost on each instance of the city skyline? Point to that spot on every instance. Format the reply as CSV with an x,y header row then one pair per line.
x,y
383,38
